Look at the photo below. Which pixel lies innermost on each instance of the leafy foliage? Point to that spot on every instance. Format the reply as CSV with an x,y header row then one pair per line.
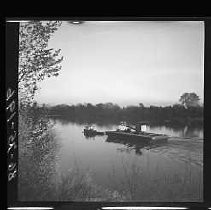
x,y
36,61
189,100
37,155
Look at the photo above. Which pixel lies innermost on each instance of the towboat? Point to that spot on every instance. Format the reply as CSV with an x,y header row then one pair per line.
x,y
90,131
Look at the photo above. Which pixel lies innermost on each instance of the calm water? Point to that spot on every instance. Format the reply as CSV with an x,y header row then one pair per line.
x,y
171,171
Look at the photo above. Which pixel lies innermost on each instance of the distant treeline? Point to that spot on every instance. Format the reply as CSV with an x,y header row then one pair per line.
x,y
109,112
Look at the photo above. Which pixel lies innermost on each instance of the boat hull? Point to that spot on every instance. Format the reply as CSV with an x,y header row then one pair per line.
x,y
92,133
144,137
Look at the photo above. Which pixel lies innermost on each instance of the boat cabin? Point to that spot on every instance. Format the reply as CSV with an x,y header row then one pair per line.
x,y
89,127
142,126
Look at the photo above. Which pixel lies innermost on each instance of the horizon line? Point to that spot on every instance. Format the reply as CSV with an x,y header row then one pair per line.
x,y
130,105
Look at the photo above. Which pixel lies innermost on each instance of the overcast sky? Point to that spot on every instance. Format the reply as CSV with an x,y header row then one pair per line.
x,y
126,62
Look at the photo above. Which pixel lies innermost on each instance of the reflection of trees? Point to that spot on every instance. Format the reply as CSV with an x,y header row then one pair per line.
x,y
182,131
191,131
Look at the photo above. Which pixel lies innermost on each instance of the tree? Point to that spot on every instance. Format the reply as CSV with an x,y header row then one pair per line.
x,y
141,105
36,61
189,100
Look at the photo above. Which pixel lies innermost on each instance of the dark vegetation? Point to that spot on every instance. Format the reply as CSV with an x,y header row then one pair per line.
x,y
176,115
37,149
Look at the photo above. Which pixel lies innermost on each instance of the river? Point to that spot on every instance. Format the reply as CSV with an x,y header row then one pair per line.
x,y
167,172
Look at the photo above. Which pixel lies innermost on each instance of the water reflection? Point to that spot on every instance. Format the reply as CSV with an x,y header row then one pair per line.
x,y
136,146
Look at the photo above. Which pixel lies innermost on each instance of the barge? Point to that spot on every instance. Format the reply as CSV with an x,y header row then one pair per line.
x,y
137,136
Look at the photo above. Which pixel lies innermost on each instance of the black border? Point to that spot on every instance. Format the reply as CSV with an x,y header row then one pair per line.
x,y
11,96
11,81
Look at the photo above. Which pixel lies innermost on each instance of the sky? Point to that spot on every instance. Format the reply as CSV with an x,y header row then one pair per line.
x,y
126,62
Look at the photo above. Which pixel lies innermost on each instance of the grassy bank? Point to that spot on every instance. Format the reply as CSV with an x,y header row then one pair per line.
x,y
164,186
